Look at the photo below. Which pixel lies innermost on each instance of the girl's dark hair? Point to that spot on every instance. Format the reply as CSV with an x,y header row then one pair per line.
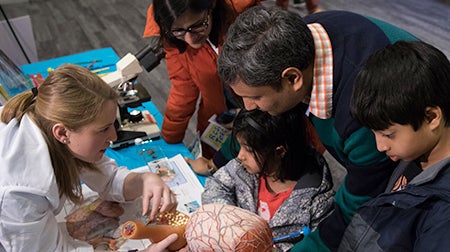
x,y
263,133
167,11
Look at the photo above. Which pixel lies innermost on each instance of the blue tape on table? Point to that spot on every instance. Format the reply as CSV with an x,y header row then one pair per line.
x,y
104,58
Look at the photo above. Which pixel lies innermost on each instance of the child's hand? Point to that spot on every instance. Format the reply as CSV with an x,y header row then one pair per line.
x,y
201,166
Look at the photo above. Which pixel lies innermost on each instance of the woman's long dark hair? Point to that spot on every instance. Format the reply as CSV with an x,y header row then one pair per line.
x,y
167,11
263,133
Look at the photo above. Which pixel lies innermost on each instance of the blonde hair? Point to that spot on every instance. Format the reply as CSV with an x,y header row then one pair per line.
x,y
70,95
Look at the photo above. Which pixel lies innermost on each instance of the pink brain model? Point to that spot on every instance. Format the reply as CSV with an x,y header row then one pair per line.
x,y
217,227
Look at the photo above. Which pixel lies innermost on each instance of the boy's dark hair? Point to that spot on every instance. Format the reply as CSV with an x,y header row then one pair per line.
x,y
166,12
264,133
396,84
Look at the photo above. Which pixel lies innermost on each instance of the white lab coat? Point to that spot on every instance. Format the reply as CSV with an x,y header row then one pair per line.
x,y
29,198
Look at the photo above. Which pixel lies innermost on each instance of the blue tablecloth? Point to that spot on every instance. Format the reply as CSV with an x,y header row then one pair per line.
x,y
105,59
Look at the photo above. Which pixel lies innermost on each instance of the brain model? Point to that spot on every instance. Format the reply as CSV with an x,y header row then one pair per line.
x,y
217,227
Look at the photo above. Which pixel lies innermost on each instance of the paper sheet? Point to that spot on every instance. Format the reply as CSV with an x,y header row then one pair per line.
x,y
180,178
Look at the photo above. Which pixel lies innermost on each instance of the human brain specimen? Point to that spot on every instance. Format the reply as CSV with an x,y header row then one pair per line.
x,y
217,227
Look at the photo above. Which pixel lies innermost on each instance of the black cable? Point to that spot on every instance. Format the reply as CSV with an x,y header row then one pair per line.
x,y
14,34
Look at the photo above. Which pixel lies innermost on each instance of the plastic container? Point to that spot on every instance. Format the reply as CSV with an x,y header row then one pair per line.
x,y
12,80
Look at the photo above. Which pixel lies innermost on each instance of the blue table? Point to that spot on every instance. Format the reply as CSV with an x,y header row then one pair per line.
x,y
105,59
132,155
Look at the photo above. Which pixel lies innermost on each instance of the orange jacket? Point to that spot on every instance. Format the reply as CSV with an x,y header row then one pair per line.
x,y
193,74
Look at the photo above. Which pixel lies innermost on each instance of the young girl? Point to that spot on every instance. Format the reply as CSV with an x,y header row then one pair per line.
x,y
276,173
51,139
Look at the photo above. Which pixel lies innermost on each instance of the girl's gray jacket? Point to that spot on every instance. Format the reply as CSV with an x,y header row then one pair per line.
x,y
309,203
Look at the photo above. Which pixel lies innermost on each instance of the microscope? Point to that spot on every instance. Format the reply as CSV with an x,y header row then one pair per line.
x,y
133,125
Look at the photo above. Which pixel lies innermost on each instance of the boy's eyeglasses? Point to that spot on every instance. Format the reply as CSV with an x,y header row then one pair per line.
x,y
199,27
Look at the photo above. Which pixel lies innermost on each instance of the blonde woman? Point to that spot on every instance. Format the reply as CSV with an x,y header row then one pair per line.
x,y
51,139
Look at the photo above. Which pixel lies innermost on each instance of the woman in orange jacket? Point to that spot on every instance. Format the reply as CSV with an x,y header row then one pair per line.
x,y
192,33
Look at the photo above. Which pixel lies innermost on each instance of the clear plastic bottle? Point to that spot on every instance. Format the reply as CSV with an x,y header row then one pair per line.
x,y
12,80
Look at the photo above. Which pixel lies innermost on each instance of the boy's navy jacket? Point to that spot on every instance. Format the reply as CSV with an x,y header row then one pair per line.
x,y
414,219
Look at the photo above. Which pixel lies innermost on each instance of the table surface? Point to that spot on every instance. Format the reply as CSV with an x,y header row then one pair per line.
x,y
130,156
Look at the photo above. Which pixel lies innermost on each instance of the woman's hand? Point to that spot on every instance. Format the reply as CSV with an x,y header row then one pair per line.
x,y
202,165
163,199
